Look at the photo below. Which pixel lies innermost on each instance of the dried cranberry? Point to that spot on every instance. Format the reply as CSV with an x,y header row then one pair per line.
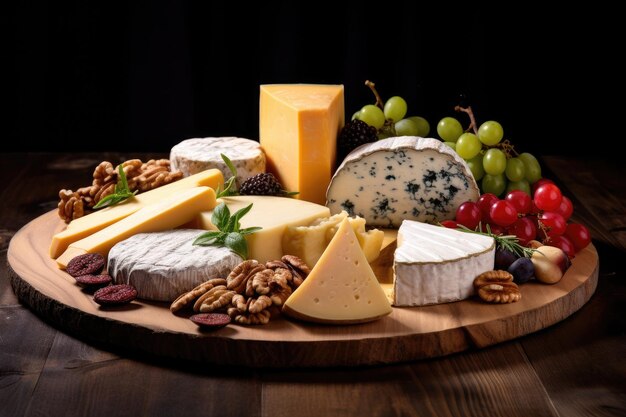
x,y
93,281
115,294
211,320
89,263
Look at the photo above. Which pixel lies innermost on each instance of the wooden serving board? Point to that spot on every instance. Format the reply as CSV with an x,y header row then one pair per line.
x,y
407,334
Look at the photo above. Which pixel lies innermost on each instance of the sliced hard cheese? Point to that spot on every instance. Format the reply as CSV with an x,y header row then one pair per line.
x,y
298,131
341,288
198,154
171,212
308,242
401,178
274,215
434,264
91,223
163,265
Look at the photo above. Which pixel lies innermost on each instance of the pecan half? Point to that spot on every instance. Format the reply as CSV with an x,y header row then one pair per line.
x,y
190,297
497,287
239,276
214,299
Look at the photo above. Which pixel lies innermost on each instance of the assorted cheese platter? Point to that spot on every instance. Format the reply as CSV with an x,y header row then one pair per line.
x,y
310,265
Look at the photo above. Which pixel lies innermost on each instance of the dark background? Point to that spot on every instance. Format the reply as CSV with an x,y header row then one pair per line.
x,y
144,76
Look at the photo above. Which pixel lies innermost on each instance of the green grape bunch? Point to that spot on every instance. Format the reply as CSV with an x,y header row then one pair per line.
x,y
389,118
494,162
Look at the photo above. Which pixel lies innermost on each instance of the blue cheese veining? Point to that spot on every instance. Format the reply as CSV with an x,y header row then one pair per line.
x,y
401,178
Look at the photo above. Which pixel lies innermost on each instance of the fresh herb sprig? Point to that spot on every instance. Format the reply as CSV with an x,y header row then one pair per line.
x,y
229,185
121,192
506,242
229,233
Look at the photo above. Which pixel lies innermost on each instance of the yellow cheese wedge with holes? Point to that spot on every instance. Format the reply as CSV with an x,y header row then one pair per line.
x,y
171,212
91,223
341,288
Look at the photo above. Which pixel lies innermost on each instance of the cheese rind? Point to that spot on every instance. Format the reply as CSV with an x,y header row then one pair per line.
x,y
401,178
169,213
434,264
98,220
341,288
298,128
198,154
274,215
163,265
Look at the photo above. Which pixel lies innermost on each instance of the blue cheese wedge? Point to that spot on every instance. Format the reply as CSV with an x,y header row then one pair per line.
x,y
434,264
163,265
199,154
401,178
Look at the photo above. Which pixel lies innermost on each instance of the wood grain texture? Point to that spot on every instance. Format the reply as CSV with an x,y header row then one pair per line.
x,y
406,334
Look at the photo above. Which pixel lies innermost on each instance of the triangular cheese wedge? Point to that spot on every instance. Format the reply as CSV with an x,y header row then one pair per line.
x,y
341,288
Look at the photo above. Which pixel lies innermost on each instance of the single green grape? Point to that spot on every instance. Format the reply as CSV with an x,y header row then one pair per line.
x,y
449,129
518,185
406,127
515,170
531,167
490,133
423,127
372,115
356,114
494,184
395,108
451,144
494,161
476,166
468,146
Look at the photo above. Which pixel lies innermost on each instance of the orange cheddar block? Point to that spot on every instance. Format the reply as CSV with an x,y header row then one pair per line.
x,y
298,128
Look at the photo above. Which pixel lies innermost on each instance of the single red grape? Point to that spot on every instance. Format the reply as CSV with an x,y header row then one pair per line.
x,y
485,202
503,213
540,182
554,222
450,224
548,197
566,208
579,235
520,200
524,229
468,214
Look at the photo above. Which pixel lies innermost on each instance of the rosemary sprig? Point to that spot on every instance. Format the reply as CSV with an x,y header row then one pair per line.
x,y
229,233
121,192
506,242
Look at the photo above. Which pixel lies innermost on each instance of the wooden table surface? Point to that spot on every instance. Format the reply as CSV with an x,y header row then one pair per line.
x,y
574,368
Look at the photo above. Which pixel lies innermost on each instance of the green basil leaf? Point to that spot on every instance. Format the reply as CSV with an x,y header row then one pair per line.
x,y
220,217
242,212
208,238
107,201
229,164
227,189
237,243
250,230
122,179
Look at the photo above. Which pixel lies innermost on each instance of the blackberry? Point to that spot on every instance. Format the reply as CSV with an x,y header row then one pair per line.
x,y
354,134
261,184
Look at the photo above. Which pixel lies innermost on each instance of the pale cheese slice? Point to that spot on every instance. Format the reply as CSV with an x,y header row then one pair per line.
x,y
91,223
170,213
274,215
341,288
